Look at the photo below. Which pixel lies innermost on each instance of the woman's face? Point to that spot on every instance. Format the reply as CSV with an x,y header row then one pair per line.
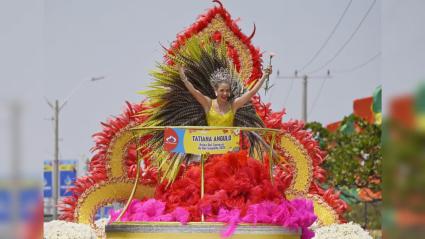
x,y
223,91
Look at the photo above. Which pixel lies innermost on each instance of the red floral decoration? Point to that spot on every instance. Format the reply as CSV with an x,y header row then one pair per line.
x,y
97,170
233,180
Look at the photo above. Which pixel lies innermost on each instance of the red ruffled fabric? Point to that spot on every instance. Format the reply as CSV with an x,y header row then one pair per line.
x,y
233,180
237,189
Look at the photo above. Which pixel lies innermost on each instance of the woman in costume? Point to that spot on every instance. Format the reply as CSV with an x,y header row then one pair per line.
x,y
199,85
221,111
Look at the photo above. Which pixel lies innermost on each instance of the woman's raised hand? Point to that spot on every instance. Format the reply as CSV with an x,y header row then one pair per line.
x,y
202,99
182,74
268,71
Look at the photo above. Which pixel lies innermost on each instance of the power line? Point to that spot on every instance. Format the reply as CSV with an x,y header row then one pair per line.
x,y
359,66
316,99
289,91
305,79
346,42
291,84
329,37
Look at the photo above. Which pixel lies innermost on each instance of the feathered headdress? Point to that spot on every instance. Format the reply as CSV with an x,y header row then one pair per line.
x,y
206,62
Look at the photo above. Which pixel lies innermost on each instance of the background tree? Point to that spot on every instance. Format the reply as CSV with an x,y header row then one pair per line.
x,y
354,165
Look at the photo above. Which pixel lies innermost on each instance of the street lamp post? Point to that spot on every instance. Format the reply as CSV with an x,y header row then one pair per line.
x,y
56,110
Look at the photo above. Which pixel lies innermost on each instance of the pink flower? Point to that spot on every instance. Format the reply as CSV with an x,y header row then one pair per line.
x,y
151,210
181,215
231,217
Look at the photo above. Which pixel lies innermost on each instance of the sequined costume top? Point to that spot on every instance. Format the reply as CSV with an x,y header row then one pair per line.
x,y
214,118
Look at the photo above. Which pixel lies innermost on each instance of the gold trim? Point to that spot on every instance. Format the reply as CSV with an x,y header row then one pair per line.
x,y
326,215
209,230
204,158
194,224
206,128
271,157
133,190
297,155
117,149
117,189
121,235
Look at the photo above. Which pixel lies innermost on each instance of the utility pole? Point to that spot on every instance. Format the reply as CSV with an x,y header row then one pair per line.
x,y
55,175
305,78
56,110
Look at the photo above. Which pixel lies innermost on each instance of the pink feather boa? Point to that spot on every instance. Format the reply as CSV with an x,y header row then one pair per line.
x,y
292,215
151,210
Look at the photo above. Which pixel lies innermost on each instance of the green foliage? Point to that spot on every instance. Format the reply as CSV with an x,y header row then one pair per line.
x,y
354,161
354,153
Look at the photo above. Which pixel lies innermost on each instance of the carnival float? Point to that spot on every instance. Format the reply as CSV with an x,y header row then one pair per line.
x,y
266,184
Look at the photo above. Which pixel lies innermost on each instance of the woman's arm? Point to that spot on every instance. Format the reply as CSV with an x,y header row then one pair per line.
x,y
242,100
205,101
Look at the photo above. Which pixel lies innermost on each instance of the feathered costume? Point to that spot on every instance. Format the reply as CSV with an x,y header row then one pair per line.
x,y
205,60
213,43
